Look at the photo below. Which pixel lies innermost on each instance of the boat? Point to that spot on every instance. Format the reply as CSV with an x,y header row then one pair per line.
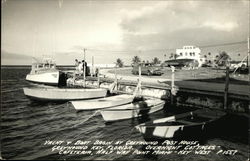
x,y
63,94
132,110
101,103
44,72
184,125
107,102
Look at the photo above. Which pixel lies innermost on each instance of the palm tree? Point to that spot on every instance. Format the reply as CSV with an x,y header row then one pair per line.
x,y
171,56
222,59
119,62
156,61
136,60
175,56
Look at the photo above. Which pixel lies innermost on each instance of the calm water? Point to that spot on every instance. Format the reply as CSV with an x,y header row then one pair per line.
x,y
26,125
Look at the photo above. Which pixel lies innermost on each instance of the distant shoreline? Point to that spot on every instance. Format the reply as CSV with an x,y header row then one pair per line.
x,y
29,66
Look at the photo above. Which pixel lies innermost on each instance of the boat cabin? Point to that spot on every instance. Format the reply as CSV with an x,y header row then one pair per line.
x,y
42,66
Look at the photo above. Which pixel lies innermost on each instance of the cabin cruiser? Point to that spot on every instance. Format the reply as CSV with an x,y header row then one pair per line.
x,y
44,72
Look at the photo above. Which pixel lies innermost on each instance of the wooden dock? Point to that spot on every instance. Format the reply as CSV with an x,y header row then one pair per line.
x,y
236,91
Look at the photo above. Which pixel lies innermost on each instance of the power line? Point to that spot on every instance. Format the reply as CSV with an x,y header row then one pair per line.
x,y
166,49
225,44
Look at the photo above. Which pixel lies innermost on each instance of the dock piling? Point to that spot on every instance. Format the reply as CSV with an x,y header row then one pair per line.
x,y
98,77
172,85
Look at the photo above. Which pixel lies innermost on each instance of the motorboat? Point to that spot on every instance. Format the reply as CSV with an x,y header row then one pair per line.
x,y
44,72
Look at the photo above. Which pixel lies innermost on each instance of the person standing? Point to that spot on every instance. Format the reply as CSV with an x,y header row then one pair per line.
x,y
76,64
76,69
80,67
83,64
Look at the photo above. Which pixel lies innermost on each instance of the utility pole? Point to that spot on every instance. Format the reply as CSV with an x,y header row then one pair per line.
x,y
140,91
92,66
248,53
84,68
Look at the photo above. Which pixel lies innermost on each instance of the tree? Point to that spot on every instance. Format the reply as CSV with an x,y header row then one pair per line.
x,y
119,62
176,56
171,56
222,59
136,60
156,61
209,53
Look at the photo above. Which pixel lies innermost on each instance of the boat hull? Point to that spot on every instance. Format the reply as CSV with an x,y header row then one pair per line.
x,y
101,103
48,78
169,132
187,125
132,110
63,94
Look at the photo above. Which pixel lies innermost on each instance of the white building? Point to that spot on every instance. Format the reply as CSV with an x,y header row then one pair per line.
x,y
190,52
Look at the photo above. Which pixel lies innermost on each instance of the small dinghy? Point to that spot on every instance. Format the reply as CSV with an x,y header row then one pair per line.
x,y
64,94
181,125
44,72
101,103
132,110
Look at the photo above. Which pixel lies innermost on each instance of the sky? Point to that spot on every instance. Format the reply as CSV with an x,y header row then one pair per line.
x,y
61,29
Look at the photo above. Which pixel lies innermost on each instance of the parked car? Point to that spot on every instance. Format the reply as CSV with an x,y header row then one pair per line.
x,y
147,69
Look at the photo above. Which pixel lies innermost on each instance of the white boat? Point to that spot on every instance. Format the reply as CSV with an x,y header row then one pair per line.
x,y
186,125
64,94
44,72
132,110
107,102
101,103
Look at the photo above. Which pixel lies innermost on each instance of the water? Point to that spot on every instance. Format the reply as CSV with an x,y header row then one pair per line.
x,y
26,125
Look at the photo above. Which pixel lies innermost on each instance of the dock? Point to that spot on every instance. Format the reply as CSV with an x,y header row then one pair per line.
x,y
189,92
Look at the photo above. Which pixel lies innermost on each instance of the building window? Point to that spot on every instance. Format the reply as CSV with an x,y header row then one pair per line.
x,y
180,54
194,53
191,54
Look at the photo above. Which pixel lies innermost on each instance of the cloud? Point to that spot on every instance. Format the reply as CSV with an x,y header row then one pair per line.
x,y
38,27
170,24
228,26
